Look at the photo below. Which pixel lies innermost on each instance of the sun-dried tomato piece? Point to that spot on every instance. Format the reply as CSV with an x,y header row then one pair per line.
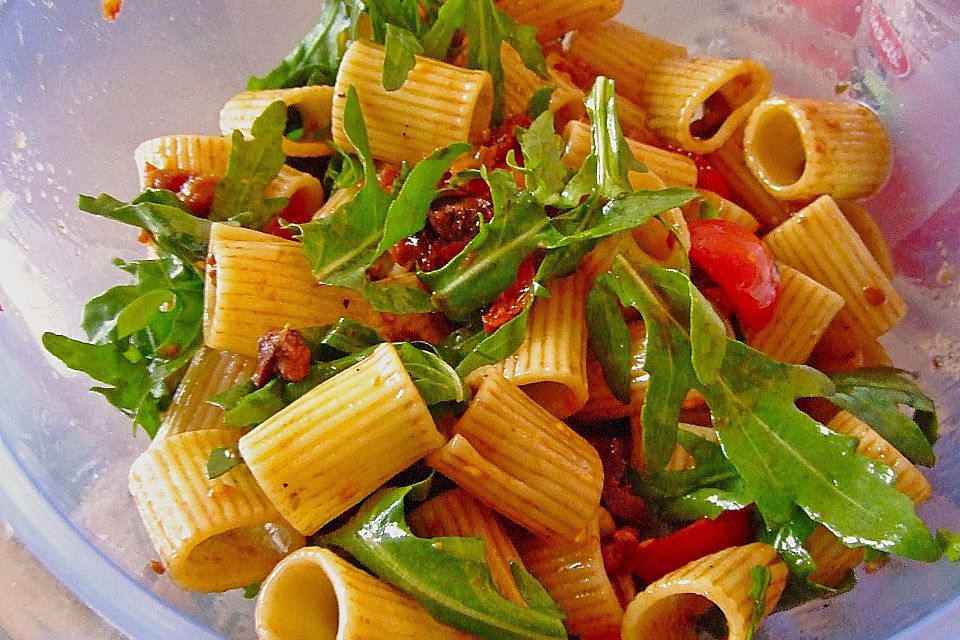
x,y
193,188
283,353
515,298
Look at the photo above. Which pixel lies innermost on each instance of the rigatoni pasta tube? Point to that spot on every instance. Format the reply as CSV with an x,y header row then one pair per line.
x,y
601,404
804,310
211,535
803,148
210,372
332,447
551,364
669,608
573,574
520,83
256,282
555,18
699,103
210,155
819,242
622,53
516,457
314,594
457,513
311,105
439,104
726,210
871,234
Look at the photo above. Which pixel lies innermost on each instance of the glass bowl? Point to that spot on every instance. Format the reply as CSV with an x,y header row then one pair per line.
x,y
77,94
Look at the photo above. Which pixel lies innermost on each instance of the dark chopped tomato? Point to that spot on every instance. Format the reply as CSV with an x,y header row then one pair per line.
x,y
453,220
515,298
283,353
193,188
624,553
493,155
741,265
619,500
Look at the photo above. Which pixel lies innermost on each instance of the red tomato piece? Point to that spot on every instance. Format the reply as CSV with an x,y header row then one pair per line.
x,y
741,265
515,298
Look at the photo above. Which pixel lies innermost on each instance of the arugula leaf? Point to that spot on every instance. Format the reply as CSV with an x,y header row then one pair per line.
x,y
951,544
448,576
142,335
175,229
316,59
489,262
485,28
222,460
758,592
609,339
345,336
615,161
251,591
486,348
874,396
539,102
545,175
401,47
253,164
436,380
784,457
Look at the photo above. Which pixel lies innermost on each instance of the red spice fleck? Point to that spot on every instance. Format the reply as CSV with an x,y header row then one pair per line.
x,y
157,567
281,352
875,295
515,298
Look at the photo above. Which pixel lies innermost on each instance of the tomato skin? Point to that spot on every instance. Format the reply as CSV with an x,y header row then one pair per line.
x,y
712,180
652,559
741,264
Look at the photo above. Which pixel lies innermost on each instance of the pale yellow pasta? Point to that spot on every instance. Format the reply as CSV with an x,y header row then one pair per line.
x,y
316,595
516,457
633,121
908,479
726,210
439,104
622,53
332,447
802,148
553,19
211,535
804,310
260,283
210,155
674,169
520,84
699,103
834,559
819,242
728,160
457,513
210,372
574,575
871,234
550,365
312,104
669,608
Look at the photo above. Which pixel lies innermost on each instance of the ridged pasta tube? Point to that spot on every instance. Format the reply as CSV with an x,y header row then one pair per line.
x,y
553,19
819,242
513,455
211,535
669,608
802,148
550,365
311,105
332,447
439,104
256,283
574,575
520,83
210,372
699,103
457,513
316,595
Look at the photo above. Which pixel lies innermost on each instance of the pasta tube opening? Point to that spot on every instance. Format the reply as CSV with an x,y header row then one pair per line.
x,y
301,601
778,149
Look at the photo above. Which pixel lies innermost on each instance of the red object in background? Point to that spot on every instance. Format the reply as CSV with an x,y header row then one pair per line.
x,y
839,15
741,265
652,559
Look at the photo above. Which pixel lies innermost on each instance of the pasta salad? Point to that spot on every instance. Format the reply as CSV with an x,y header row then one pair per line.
x,y
502,320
